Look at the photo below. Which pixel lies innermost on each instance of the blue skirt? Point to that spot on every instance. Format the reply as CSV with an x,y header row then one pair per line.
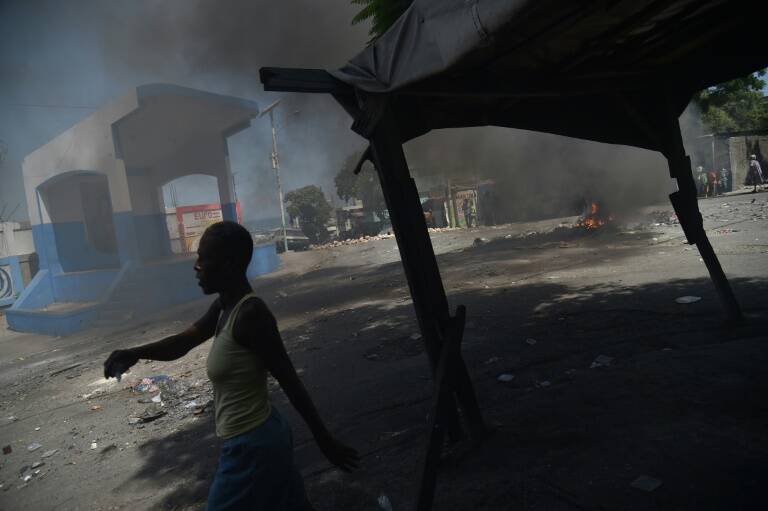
x,y
256,471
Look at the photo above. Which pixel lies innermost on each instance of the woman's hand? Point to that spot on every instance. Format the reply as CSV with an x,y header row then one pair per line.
x,y
341,455
119,362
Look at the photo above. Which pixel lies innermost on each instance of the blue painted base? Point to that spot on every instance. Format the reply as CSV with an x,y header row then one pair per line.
x,y
140,289
51,323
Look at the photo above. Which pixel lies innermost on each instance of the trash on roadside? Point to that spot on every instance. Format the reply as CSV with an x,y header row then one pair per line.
x,y
37,464
33,446
37,428
687,299
26,478
133,420
506,377
479,241
530,341
7,449
384,503
149,384
94,445
95,408
601,361
157,398
48,454
646,483
190,404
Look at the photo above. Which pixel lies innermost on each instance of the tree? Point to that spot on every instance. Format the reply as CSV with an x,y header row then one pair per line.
x,y
381,13
309,205
364,186
735,105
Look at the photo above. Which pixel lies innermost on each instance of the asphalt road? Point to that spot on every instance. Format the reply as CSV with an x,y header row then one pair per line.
x,y
680,401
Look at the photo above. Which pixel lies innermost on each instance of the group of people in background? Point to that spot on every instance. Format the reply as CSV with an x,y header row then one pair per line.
x,y
712,183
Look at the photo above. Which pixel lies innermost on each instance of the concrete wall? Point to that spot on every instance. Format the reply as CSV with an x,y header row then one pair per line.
x,y
739,150
15,240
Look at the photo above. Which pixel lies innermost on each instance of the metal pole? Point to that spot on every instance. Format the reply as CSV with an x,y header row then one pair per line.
x,y
276,167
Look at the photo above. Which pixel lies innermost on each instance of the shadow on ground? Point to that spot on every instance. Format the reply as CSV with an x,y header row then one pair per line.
x,y
681,401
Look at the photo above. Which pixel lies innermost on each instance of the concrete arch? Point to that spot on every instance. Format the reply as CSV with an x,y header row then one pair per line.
x,y
78,231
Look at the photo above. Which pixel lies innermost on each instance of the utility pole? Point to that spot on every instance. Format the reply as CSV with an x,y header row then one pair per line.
x,y
276,167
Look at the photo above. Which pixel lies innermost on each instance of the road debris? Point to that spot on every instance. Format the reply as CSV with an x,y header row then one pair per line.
x,y
37,464
479,241
48,454
94,445
95,408
150,383
506,377
646,483
601,361
33,446
687,299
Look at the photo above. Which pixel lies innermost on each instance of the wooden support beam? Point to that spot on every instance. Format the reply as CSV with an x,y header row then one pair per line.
x,y
686,207
445,384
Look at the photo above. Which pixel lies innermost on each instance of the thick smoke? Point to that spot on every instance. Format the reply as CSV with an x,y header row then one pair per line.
x,y
539,175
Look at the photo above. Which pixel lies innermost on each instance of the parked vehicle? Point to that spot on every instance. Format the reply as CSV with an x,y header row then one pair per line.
x,y
296,239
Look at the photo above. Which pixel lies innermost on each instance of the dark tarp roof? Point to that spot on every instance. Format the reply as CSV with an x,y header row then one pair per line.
x,y
569,67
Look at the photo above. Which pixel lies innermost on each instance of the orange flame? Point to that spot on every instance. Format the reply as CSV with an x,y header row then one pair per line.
x,y
594,220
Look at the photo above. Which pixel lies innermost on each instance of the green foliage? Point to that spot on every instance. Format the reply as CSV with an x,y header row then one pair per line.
x,y
364,186
381,13
309,205
735,105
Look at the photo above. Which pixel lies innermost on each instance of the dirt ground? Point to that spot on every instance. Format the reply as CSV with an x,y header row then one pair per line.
x,y
681,401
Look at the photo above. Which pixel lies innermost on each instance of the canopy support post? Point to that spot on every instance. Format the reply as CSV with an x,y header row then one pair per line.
x,y
685,203
376,122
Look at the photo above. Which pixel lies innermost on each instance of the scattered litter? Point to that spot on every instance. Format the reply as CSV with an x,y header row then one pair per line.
x,y
415,337
95,408
26,478
687,299
94,445
384,503
36,472
530,341
157,398
646,483
37,464
37,428
149,384
492,360
65,369
133,420
506,377
12,418
33,446
191,404
48,454
479,241
601,361
7,449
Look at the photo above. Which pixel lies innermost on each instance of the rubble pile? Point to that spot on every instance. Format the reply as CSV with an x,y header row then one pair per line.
x,y
352,241
173,397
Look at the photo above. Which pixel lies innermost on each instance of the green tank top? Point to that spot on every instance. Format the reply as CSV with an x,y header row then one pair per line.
x,y
239,380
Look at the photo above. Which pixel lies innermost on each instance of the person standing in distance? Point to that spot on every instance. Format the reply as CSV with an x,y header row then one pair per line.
x,y
256,469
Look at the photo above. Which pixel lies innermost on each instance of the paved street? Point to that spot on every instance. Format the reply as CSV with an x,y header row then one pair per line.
x,y
677,397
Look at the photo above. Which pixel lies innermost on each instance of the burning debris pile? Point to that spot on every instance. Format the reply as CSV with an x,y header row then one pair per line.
x,y
594,216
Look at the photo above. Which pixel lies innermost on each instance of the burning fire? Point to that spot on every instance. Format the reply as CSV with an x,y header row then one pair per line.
x,y
594,217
